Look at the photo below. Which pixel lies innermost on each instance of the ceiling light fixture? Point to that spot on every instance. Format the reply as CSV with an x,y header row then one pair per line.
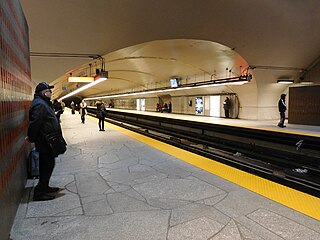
x,y
285,81
103,75
84,88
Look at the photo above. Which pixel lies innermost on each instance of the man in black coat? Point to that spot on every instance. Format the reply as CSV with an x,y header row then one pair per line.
x,y
226,106
43,121
282,109
101,114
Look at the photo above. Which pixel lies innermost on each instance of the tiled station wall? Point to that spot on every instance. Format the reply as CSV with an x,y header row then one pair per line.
x,y
15,98
304,101
304,105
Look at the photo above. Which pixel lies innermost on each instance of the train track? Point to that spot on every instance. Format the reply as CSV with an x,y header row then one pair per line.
x,y
290,160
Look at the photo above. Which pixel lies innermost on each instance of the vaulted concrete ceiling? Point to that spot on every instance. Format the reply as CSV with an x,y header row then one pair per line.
x,y
145,42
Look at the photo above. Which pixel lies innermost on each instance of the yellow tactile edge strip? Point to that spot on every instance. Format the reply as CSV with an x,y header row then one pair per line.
x,y
299,201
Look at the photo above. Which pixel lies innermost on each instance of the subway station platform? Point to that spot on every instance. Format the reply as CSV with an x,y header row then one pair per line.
x,y
120,185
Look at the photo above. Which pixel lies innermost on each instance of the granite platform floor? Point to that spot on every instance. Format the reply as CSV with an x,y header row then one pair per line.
x,y
117,188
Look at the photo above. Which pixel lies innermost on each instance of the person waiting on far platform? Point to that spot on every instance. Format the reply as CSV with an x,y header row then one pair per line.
x,y
282,109
164,108
226,106
170,107
101,114
73,107
83,110
57,109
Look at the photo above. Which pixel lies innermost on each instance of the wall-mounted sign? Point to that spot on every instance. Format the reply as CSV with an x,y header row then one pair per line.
x,y
80,79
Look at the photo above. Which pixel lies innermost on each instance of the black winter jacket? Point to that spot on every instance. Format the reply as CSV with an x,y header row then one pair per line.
x,y
42,120
282,105
102,112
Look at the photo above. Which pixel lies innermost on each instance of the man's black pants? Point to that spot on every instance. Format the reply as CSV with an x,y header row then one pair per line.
x,y
83,118
282,119
46,166
101,123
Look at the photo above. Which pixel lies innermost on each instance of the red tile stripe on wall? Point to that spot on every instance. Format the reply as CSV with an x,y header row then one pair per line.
x,y
17,23
5,177
13,52
14,83
13,33
11,130
13,58
9,109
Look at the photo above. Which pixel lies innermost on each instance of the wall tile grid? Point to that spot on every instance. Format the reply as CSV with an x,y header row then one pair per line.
x,y
15,98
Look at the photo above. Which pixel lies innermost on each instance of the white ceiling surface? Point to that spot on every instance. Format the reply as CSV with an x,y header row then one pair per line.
x,y
145,42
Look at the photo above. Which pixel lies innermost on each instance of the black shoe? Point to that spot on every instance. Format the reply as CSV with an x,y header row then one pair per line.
x,y
52,189
42,197
102,130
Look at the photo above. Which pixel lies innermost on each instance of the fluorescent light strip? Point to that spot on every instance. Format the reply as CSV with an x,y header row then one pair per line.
x,y
285,81
83,88
306,83
165,90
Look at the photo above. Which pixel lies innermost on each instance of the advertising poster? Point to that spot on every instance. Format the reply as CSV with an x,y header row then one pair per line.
x,y
199,105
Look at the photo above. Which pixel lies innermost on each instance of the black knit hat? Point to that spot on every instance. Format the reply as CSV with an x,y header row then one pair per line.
x,y
42,86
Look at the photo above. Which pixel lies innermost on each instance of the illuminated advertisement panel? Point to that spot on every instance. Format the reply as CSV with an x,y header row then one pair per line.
x,y
199,105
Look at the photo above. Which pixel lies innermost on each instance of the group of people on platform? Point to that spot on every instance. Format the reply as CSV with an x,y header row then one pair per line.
x,y
101,112
164,108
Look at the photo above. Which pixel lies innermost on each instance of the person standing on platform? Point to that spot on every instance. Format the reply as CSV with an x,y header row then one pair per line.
x,y
170,107
226,106
101,114
63,105
57,108
282,109
83,111
73,107
43,121
164,108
